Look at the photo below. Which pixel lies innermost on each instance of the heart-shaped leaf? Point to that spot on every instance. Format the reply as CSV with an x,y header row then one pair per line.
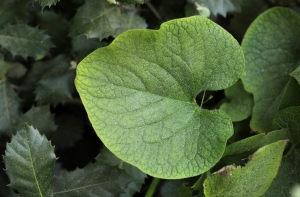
x,y
139,93
271,49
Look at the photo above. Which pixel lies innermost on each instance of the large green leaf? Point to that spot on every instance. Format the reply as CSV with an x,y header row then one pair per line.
x,y
221,7
289,118
252,180
288,175
92,180
15,39
240,103
99,19
9,107
271,53
139,93
29,161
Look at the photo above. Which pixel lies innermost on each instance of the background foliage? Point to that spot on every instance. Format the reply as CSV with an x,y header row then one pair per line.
x,y
60,155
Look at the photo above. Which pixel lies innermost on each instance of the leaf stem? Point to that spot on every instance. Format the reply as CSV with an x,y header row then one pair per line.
x,y
202,99
152,187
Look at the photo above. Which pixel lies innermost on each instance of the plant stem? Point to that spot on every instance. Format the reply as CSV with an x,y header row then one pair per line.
x,y
202,99
152,187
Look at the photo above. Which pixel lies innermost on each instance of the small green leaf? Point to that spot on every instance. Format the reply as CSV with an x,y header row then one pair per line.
x,y
252,180
107,157
29,161
271,53
15,39
221,7
184,191
255,142
57,84
289,118
296,74
288,175
139,93
40,118
291,94
240,103
92,180
104,20
9,107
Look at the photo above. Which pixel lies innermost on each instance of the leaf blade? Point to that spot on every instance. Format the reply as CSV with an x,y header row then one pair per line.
x,y
14,39
269,62
159,95
34,174
241,181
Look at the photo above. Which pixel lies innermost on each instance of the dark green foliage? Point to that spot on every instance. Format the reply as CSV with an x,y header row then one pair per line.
x,y
49,145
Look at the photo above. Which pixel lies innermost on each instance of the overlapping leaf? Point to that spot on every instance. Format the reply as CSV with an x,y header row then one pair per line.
x,y
296,74
252,180
138,177
10,9
255,142
291,94
269,62
221,7
83,46
15,39
29,162
56,85
9,107
140,91
40,118
92,180
104,20
288,175
289,119
240,103
56,26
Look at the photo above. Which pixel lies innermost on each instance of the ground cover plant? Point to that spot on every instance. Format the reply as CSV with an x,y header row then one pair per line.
x,y
165,98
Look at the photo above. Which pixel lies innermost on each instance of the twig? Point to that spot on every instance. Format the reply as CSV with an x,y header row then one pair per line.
x,y
153,10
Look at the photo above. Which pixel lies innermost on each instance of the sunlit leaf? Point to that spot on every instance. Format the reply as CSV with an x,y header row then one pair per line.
x,y
139,93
